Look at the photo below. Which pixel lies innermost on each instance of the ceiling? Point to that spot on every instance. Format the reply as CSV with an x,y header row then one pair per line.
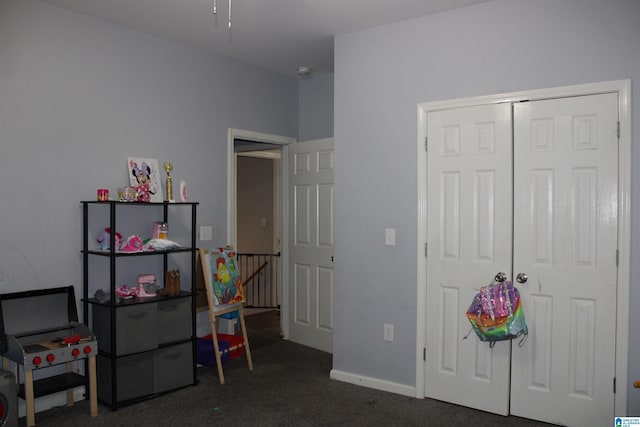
x,y
276,34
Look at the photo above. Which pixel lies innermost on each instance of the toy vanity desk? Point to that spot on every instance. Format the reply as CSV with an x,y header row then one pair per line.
x,y
39,329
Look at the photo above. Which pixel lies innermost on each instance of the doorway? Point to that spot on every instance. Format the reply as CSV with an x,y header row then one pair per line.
x,y
306,233
258,218
262,231
440,335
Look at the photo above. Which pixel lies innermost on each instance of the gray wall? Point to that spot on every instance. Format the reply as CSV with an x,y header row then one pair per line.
x,y
381,75
316,107
79,95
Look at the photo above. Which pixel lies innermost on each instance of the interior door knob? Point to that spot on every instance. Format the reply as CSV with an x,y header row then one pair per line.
x,y
501,277
521,278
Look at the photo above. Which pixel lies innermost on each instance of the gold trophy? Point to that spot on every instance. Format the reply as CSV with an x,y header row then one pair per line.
x,y
168,167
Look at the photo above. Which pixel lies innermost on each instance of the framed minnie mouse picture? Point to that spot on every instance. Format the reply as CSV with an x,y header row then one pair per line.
x,y
144,176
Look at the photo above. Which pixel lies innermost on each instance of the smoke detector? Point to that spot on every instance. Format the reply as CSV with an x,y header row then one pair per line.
x,y
304,71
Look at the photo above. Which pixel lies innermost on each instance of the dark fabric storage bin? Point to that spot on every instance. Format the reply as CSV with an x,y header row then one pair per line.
x,y
172,367
134,377
136,325
173,320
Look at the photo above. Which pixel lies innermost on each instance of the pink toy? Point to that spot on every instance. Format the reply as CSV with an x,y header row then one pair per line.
x,y
132,244
104,239
147,278
143,279
142,293
125,292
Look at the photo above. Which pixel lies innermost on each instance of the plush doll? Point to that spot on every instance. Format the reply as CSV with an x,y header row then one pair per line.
x,y
104,239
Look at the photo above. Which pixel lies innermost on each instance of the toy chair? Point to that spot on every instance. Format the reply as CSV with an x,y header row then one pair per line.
x,y
229,299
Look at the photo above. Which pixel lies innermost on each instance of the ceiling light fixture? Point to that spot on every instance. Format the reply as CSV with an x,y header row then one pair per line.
x,y
215,12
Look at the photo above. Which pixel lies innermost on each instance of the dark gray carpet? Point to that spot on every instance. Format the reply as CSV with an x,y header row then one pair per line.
x,y
290,386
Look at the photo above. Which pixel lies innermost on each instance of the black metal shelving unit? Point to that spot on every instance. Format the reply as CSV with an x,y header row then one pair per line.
x,y
134,366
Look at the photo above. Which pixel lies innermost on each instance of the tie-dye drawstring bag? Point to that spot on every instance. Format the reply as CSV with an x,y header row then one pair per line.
x,y
496,314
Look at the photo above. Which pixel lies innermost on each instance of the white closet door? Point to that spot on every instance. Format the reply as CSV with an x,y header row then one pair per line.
x,y
565,241
563,210
469,193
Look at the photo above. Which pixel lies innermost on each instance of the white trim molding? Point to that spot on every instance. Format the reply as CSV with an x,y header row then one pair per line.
x,y
374,383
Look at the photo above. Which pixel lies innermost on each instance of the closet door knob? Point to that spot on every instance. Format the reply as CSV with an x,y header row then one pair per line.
x,y
521,278
501,277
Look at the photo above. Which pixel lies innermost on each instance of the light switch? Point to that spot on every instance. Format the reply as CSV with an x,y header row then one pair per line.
x,y
390,236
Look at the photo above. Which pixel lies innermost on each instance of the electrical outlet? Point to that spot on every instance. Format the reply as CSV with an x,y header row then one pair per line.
x,y
388,332
206,232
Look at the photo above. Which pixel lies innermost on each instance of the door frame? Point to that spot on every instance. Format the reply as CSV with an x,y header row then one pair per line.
x,y
282,183
623,89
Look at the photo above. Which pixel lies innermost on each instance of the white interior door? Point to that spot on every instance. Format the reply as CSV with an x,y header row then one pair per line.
x,y
565,241
469,241
565,219
311,243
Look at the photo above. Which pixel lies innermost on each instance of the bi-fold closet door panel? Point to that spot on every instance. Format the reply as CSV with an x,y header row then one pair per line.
x,y
565,242
542,202
469,198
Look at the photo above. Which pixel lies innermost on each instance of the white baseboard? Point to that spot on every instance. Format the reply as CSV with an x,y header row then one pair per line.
x,y
50,401
374,383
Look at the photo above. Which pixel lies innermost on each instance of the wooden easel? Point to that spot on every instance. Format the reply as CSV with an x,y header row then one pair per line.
x,y
217,310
